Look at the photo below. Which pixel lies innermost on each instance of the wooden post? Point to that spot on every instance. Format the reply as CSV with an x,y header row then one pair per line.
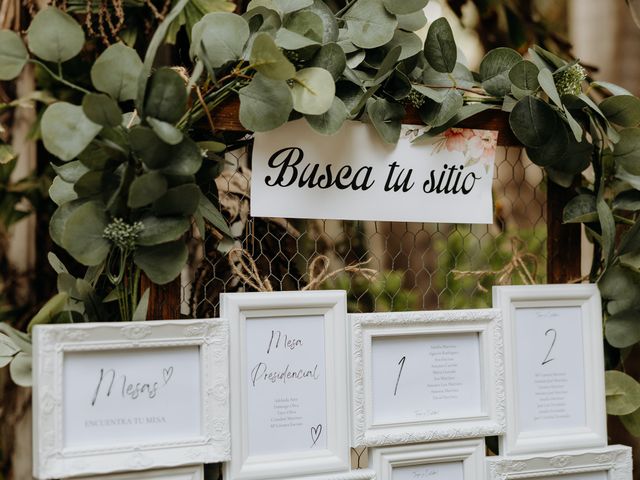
x,y
563,240
164,300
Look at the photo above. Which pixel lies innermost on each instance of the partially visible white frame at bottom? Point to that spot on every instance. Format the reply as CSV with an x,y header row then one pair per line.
x,y
195,472
470,452
614,460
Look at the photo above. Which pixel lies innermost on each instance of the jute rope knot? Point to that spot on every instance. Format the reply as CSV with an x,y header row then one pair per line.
x,y
243,265
517,265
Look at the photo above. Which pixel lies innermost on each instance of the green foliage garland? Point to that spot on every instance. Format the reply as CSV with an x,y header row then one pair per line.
x,y
127,185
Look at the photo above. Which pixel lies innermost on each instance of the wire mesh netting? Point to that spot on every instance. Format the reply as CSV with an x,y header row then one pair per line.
x,y
420,266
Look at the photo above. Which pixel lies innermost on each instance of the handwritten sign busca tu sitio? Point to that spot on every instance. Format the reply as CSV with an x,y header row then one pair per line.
x,y
354,175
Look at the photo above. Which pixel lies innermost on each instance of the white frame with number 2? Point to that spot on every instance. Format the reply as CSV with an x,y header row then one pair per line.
x,y
253,315
542,300
490,420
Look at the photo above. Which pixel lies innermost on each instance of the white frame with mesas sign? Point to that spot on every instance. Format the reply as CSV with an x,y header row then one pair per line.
x,y
418,420
55,456
316,322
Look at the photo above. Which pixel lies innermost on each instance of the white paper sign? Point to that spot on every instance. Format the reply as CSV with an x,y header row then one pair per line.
x,y
431,471
550,368
426,377
287,398
354,175
131,396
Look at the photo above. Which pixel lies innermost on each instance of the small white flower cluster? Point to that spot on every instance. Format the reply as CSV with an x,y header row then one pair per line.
x,y
122,234
569,81
415,98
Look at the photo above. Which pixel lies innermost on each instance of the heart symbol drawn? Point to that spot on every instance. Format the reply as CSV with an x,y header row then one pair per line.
x,y
167,373
315,434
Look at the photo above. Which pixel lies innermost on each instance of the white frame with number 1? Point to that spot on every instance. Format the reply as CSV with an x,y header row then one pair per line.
x,y
580,349
489,419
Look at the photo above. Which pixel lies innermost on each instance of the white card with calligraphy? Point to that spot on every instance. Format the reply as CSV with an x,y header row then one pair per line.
x,y
425,376
454,460
554,367
354,175
112,397
290,385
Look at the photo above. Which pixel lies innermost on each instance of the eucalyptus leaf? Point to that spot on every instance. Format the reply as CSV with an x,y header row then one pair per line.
x,y
20,339
440,47
50,309
627,200
580,209
70,171
533,122
140,313
408,41
184,159
158,230
20,369
148,147
66,130
388,64
412,22
545,78
55,36
265,104
495,68
146,188
622,330
630,241
623,110
612,87
116,72
102,109
83,231
59,219
290,40
627,151
553,151
166,96
269,60
332,58
307,24
288,6
165,131
329,22
405,7
220,37
386,118
369,23
212,214
7,348
524,75
13,55
332,120
608,229
162,263
622,392
575,127
180,200
61,192
313,91
436,114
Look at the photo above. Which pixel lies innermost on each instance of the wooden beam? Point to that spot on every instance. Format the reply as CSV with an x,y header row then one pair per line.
x,y
226,117
164,300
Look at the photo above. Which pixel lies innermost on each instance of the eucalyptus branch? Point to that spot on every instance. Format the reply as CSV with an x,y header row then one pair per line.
x,y
343,10
476,91
59,77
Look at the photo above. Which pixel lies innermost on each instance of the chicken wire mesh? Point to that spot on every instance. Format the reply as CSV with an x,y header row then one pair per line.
x,y
420,266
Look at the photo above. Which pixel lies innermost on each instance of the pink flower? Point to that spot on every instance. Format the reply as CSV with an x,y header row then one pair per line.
x,y
482,145
457,138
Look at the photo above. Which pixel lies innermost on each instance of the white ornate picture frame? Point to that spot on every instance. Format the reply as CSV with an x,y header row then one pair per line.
x,y
284,427
113,397
192,472
608,463
554,366
454,460
480,330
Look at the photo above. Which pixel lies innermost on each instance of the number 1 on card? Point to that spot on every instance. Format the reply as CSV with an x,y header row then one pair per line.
x,y
401,363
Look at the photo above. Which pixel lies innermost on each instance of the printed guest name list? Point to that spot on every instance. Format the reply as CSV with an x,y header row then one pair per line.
x,y
286,385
